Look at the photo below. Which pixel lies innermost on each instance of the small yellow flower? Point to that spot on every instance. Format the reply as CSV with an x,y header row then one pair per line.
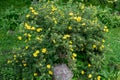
x,y
24,64
89,65
27,26
37,51
83,6
98,77
66,36
102,46
105,29
44,50
54,41
69,27
39,29
35,13
26,47
71,49
78,19
70,42
9,61
54,8
19,38
31,8
94,46
71,14
83,24
50,72
82,72
35,54
90,76
48,66
74,55
73,58
103,40
32,28
29,35
28,15
14,56
35,74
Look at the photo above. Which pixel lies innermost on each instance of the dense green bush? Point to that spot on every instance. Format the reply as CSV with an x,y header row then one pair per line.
x,y
12,18
109,18
54,34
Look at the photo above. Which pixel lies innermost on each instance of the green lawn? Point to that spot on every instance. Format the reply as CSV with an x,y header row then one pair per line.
x,y
113,47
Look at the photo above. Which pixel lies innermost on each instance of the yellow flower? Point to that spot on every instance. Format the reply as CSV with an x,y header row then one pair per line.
x,y
99,77
31,8
90,76
28,15
35,13
50,72
105,29
24,64
78,19
103,40
27,26
35,74
94,46
9,61
32,28
35,54
54,41
102,46
73,58
69,27
29,35
19,38
66,36
89,65
83,24
48,66
26,47
70,42
37,51
54,8
39,29
71,14
82,72
14,56
74,55
44,50
82,7
71,49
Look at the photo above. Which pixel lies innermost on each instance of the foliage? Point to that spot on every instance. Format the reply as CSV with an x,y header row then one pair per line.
x,y
107,17
12,18
54,34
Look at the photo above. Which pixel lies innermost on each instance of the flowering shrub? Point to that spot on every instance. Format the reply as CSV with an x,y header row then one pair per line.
x,y
54,34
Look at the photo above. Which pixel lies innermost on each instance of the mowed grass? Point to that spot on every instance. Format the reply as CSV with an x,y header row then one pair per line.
x,y
113,44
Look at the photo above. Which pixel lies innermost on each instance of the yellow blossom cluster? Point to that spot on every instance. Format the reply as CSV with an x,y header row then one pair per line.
x,y
105,29
33,11
35,54
66,36
74,55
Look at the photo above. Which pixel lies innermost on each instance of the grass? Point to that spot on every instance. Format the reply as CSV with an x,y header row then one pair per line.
x,y
113,44
8,38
